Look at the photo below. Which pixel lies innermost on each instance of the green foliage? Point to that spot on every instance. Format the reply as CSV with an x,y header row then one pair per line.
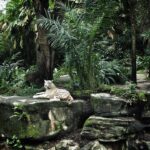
x,y
5,45
2,43
142,96
52,4
109,72
13,9
77,37
81,36
14,143
18,29
96,8
31,69
59,71
19,113
146,34
130,93
82,94
9,70
144,63
24,91
12,78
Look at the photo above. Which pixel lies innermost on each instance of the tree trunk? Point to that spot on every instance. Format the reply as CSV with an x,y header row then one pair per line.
x,y
133,52
44,53
132,4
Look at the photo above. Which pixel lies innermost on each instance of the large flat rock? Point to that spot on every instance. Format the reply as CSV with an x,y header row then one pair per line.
x,y
29,118
110,129
106,104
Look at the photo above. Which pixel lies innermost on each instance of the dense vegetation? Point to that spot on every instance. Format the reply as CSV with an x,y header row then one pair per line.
x,y
95,42
85,46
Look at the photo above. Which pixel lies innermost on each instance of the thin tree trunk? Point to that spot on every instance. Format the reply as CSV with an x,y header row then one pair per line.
x,y
133,52
132,4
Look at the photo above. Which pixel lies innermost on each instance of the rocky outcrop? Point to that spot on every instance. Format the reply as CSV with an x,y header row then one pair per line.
x,y
94,145
110,105
113,124
110,129
30,118
107,105
63,79
66,145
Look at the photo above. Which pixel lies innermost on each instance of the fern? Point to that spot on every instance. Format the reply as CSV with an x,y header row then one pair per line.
x,y
77,37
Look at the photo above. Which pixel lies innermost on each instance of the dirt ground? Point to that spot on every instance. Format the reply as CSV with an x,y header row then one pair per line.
x,y
143,83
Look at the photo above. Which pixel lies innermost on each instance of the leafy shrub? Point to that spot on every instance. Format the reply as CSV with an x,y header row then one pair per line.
x,y
22,91
109,72
144,63
9,70
129,93
12,78
14,142
17,30
19,113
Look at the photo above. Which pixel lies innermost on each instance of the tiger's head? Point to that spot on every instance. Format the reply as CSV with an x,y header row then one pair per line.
x,y
48,84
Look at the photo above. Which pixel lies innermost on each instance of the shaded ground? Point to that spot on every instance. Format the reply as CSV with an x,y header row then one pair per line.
x,y
142,82
75,135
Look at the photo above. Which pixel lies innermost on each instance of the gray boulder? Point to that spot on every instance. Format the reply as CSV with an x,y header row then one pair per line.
x,y
64,79
110,129
30,118
108,105
94,145
66,145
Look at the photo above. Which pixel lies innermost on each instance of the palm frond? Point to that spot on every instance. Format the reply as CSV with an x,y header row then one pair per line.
x,y
58,35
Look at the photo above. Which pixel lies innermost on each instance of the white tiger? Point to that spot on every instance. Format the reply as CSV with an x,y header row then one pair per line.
x,y
52,92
